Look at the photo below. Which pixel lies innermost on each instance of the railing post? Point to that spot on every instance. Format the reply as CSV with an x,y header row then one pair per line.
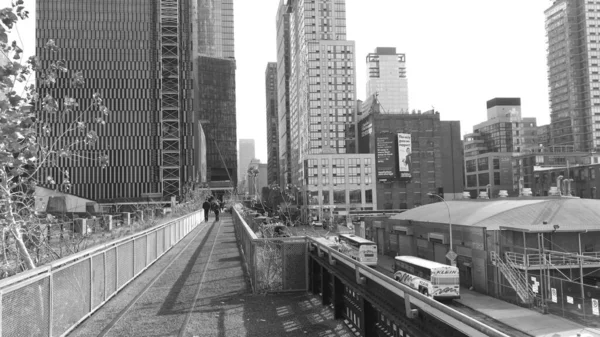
x,y
105,276
91,284
50,305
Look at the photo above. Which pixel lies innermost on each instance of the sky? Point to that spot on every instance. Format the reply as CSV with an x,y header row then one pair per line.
x,y
459,55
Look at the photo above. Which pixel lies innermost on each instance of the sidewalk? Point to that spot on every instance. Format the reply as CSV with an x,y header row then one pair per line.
x,y
525,320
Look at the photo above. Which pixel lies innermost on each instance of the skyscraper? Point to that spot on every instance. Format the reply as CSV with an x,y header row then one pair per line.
x,y
136,55
247,153
215,28
272,123
322,79
215,90
386,73
573,73
283,92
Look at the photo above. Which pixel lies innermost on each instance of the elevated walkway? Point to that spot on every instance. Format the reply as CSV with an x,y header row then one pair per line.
x,y
199,288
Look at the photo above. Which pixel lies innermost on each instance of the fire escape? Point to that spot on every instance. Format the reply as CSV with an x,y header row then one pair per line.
x,y
169,93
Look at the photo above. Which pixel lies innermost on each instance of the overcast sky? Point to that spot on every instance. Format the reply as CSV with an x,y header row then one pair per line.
x,y
459,54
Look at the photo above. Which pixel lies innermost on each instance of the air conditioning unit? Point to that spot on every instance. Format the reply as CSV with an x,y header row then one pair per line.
x,y
408,231
438,238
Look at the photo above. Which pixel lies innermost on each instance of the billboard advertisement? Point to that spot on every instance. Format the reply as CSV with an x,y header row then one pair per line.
x,y
404,155
385,156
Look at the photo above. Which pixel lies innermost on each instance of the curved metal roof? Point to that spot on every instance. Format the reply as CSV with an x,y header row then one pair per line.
x,y
570,214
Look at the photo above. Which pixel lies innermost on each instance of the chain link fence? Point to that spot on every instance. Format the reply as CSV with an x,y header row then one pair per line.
x,y
273,264
51,300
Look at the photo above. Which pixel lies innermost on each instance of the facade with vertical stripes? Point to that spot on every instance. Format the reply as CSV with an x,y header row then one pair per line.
x,y
138,55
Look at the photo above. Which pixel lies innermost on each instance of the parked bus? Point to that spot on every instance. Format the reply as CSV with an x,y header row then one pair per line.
x,y
361,250
433,279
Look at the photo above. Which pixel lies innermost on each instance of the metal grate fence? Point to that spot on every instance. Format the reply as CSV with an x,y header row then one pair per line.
x,y
51,300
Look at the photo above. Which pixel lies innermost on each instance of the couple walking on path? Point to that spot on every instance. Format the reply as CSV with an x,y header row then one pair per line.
x,y
211,204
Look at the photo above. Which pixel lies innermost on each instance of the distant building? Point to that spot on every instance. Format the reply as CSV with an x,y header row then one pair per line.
x,y
215,28
543,135
272,124
416,154
386,78
490,149
338,183
573,74
247,153
580,176
283,92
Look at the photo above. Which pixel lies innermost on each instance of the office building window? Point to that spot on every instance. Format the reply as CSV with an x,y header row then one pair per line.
x,y
325,196
339,197
496,178
355,197
369,196
470,165
484,179
482,164
496,163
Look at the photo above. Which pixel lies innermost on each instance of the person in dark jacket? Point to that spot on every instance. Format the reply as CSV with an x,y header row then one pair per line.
x,y
206,207
216,207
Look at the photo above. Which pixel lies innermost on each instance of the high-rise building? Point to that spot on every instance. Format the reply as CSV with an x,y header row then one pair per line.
x,y
272,123
137,55
246,154
386,74
215,90
322,80
215,104
283,92
573,73
215,28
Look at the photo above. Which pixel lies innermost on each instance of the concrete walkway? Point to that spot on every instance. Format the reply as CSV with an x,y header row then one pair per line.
x,y
199,288
528,321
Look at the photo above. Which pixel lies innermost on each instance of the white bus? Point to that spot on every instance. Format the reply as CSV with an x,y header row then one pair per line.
x,y
361,250
433,279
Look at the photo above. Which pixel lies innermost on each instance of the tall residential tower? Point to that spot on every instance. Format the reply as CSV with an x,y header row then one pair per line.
x,y
573,78
386,73
321,81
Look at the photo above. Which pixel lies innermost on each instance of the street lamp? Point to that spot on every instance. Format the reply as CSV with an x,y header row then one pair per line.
x,y
452,261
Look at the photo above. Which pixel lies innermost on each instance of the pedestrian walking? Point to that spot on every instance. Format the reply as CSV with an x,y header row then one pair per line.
x,y
216,208
206,207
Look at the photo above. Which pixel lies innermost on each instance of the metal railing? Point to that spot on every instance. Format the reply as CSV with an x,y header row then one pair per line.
x,y
552,258
515,277
52,300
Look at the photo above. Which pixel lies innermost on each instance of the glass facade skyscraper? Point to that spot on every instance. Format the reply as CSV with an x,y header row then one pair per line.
x,y
215,28
283,92
272,123
135,53
322,80
573,73
386,74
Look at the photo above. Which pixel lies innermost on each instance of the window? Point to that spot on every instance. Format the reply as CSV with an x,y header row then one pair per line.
x,y
368,196
472,180
367,161
482,164
313,197
496,164
470,165
355,197
592,173
496,178
484,179
339,197
338,163
325,196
